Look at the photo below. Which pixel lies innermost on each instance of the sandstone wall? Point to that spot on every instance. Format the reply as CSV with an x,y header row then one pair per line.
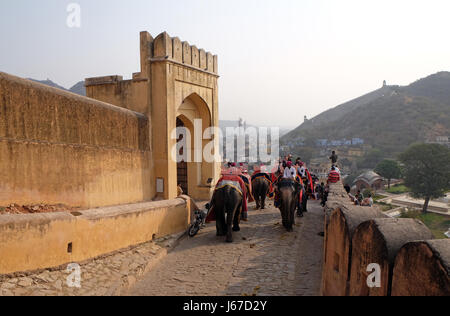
x,y
128,94
57,147
39,241
411,262
422,269
379,241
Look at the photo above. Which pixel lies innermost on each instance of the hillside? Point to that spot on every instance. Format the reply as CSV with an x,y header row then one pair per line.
x,y
390,118
78,88
347,108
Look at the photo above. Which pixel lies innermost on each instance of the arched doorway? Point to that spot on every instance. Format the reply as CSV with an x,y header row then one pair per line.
x,y
182,166
195,176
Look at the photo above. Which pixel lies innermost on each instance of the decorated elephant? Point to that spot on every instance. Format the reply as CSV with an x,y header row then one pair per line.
x,y
260,189
288,193
227,205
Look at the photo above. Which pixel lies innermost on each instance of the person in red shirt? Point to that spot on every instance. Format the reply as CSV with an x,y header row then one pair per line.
x,y
334,176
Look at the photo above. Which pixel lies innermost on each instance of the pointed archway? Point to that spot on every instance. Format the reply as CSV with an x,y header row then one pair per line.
x,y
194,114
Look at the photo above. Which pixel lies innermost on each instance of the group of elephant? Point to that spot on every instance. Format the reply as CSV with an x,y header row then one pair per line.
x,y
228,203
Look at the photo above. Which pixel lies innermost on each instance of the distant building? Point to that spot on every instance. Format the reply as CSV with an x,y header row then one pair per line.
x,y
357,141
441,140
369,180
322,142
355,152
319,167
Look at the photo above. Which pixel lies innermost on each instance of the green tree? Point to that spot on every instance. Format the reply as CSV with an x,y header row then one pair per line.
x,y
389,169
350,179
427,171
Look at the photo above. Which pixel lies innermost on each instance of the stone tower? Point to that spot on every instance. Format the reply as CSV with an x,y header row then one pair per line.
x,y
177,83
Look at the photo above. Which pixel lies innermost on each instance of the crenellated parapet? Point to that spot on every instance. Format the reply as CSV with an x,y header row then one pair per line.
x,y
176,79
132,94
165,47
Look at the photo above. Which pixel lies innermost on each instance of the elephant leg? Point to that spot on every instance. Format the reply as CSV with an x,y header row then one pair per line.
x,y
285,221
220,224
300,208
257,202
236,221
263,202
305,204
292,220
230,219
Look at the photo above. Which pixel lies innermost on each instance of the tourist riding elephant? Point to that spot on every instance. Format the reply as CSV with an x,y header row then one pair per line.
x,y
227,203
260,189
288,192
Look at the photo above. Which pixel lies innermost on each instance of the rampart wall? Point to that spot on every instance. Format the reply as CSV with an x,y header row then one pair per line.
x,y
60,148
40,241
411,262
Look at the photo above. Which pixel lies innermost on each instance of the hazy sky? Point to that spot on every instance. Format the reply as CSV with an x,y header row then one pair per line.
x,y
278,60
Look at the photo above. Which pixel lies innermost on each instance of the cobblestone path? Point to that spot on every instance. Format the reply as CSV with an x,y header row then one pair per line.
x,y
264,260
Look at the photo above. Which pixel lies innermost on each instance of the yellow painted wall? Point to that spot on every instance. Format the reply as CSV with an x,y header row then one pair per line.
x,y
57,147
39,241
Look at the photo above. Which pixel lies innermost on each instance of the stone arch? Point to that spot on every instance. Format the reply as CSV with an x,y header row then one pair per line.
x,y
192,111
195,107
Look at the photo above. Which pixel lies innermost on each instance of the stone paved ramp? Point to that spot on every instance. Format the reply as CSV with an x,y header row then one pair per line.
x,y
109,275
264,260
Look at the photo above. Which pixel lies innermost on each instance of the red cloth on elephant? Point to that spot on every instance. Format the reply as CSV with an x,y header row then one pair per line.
x,y
231,171
311,183
273,177
299,180
235,178
248,183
